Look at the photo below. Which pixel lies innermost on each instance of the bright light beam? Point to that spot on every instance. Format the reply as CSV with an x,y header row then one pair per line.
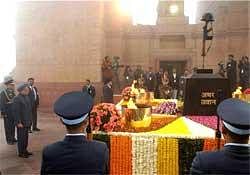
x,y
7,40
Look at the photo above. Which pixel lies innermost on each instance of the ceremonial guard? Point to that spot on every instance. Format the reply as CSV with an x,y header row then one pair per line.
x,y
115,68
34,98
150,80
6,105
75,154
108,92
89,88
22,109
234,158
231,72
107,73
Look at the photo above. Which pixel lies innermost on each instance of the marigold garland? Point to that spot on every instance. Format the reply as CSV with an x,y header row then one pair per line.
x,y
144,155
187,152
211,144
120,155
167,156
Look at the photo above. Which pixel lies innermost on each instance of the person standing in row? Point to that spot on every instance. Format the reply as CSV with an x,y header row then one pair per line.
x,y
34,98
232,72
150,80
174,82
6,104
89,88
159,76
128,76
22,109
244,72
108,92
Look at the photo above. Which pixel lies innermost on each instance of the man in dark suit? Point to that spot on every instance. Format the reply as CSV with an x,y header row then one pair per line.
x,y
23,118
108,92
234,158
75,154
174,82
150,80
232,72
6,105
89,88
34,97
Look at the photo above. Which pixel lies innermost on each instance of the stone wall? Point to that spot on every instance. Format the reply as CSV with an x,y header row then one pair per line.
x,y
61,44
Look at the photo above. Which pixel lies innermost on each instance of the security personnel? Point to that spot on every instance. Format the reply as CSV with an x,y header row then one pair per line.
x,y
234,158
6,104
89,88
232,72
75,154
23,119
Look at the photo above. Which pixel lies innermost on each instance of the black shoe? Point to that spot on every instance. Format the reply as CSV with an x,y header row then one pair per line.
x,y
30,131
29,153
36,129
23,156
15,140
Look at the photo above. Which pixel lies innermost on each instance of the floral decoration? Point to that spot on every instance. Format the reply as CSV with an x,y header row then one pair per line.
x,y
209,121
166,108
212,144
167,159
144,155
105,117
126,93
120,155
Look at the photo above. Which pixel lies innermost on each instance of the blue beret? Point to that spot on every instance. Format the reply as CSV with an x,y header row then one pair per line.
x,y
235,114
21,86
73,107
8,80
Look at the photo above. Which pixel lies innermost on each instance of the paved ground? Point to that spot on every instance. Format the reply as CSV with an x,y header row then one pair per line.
x,y
51,131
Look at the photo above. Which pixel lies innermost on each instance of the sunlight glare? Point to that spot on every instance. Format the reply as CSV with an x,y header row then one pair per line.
x,y
142,12
7,35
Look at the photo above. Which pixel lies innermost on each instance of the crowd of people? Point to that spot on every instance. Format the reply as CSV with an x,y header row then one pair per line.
x,y
164,84
19,112
230,71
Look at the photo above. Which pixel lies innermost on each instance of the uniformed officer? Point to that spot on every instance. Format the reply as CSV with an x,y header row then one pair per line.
x,y
6,104
89,88
234,158
75,154
23,118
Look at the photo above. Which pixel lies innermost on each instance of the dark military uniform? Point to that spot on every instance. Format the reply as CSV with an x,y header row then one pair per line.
x,y
90,90
75,154
23,114
108,94
234,158
6,104
232,74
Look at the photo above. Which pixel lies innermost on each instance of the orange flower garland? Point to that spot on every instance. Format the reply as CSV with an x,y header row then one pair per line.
x,y
211,144
120,155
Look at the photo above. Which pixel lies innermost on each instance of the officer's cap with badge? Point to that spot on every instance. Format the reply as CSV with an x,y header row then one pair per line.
x,y
73,107
21,86
8,80
235,114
